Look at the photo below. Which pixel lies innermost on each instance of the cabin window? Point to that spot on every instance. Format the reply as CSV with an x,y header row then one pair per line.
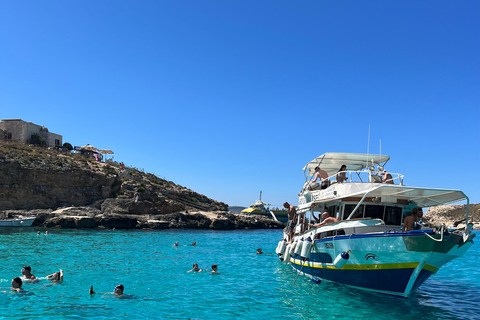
x,y
374,212
393,216
349,208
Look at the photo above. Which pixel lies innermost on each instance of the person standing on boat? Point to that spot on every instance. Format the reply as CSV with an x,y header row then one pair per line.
x,y
411,221
322,176
387,178
292,217
341,174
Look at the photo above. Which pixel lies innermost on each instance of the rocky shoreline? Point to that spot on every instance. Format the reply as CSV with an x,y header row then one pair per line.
x,y
91,218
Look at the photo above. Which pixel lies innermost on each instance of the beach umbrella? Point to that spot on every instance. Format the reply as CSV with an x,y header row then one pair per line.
x,y
105,152
89,148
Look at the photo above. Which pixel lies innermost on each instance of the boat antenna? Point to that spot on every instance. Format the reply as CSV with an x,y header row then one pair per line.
x,y
260,195
368,144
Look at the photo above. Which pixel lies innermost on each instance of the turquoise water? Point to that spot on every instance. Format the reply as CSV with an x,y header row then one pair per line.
x,y
157,284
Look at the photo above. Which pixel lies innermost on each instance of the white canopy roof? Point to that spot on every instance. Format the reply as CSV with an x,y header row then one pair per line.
x,y
331,162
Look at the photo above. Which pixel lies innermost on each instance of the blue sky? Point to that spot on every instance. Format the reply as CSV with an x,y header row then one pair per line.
x,y
232,97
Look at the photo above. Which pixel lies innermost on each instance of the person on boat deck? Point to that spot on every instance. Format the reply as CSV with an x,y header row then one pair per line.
x,y
56,276
326,220
27,273
259,251
292,218
322,176
341,174
411,222
17,284
196,268
387,178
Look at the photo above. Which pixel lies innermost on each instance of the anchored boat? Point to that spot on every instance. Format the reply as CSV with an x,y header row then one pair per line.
x,y
360,240
262,208
17,222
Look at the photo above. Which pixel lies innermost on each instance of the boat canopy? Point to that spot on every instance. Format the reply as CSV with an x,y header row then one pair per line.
x,y
331,162
422,197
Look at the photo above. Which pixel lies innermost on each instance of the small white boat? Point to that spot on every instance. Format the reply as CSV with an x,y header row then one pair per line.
x,y
360,241
263,209
17,222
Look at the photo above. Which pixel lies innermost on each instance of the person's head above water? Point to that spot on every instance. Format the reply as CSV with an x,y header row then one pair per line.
x,y
259,251
17,283
118,289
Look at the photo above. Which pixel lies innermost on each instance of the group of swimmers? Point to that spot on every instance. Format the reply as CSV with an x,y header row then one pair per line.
x,y
27,275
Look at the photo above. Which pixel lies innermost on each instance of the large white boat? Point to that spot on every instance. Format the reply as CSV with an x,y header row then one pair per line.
x,y
361,242
17,222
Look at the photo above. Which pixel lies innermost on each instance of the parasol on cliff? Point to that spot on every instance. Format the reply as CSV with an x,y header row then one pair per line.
x,y
89,147
106,151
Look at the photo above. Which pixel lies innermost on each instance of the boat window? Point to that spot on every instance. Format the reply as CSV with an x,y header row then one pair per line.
x,y
375,212
349,208
393,216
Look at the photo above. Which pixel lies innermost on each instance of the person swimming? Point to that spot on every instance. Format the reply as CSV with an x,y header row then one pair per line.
x,y
259,251
175,244
27,273
194,244
56,276
196,268
17,284
118,291
215,269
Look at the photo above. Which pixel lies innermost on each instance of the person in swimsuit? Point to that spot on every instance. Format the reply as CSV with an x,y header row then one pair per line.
x,y
118,291
27,273
292,218
56,276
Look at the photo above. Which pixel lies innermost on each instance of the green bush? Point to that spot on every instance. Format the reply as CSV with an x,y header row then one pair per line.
x,y
141,189
67,146
36,139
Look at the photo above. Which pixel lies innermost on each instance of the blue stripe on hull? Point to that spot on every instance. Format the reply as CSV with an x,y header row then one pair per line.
x,y
393,280
422,277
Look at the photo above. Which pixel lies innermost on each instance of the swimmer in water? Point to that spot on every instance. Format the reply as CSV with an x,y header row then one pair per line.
x,y
215,269
176,244
196,268
194,244
27,273
259,251
46,233
56,276
17,284
38,233
118,291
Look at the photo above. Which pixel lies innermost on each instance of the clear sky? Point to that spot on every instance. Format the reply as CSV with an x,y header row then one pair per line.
x,y
232,97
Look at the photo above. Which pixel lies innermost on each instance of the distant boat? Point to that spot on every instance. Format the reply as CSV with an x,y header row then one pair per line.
x,y
17,222
261,208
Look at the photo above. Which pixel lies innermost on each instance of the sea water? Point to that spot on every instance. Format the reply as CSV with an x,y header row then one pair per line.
x,y
158,285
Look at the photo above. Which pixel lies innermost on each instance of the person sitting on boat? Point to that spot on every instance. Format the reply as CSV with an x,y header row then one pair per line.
x,y
411,221
326,220
342,174
322,176
387,178
17,284
292,218
56,276
27,273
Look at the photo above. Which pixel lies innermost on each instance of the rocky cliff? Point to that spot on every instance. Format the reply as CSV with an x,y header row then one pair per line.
x,y
35,180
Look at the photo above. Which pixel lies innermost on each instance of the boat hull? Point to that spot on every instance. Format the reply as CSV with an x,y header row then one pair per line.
x,y
27,222
395,264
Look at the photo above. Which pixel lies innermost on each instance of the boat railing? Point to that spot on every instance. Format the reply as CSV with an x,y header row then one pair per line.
x,y
362,176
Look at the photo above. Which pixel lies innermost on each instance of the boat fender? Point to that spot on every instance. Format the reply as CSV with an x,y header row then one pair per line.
x,y
316,280
283,245
286,255
298,248
307,245
341,259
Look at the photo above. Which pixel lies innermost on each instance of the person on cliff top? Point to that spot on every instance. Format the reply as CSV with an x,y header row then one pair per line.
x,y
196,268
27,273
292,217
56,276
118,291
